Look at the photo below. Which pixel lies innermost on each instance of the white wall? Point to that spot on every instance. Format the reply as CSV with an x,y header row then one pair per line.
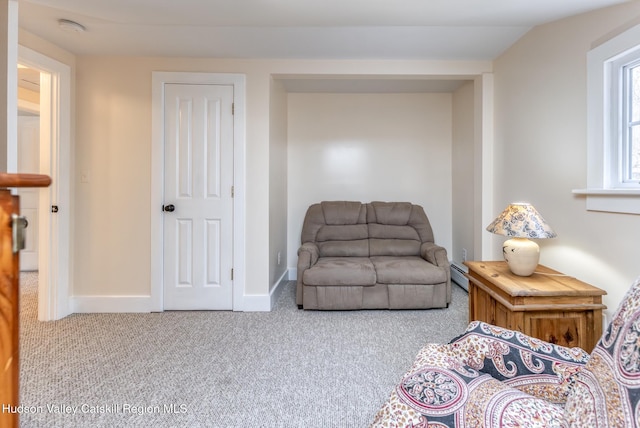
x,y
113,151
541,146
370,147
463,159
111,214
278,219
540,155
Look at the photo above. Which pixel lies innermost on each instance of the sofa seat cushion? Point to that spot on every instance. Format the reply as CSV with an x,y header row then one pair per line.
x,y
341,271
407,270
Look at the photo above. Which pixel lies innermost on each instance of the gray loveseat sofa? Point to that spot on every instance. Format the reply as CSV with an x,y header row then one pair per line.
x,y
370,256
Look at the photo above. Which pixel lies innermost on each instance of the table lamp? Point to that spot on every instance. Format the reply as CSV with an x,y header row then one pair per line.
x,y
520,221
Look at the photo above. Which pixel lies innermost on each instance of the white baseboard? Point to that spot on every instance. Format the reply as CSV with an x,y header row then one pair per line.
x,y
143,304
256,303
110,304
264,302
277,289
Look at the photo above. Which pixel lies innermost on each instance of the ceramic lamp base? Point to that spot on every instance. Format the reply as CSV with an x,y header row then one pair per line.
x,y
522,255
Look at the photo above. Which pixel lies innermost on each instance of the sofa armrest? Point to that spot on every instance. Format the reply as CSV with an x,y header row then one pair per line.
x,y
434,254
308,255
437,256
532,365
440,390
488,374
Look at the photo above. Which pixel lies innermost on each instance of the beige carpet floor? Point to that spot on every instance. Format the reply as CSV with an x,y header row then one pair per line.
x,y
284,368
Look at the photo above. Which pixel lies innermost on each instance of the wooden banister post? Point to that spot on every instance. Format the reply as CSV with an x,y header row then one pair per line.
x,y
10,295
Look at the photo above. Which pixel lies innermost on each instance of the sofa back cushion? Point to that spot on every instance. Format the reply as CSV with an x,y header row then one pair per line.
x,y
354,229
338,228
606,392
397,228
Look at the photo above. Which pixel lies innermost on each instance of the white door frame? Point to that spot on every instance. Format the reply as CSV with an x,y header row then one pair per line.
x,y
159,80
55,161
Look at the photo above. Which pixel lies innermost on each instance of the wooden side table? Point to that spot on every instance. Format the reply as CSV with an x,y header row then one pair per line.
x,y
547,305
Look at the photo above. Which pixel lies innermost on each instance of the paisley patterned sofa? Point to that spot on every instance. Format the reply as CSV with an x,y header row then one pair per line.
x,y
494,377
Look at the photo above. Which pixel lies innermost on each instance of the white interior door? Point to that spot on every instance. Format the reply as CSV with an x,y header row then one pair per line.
x,y
55,257
29,162
198,192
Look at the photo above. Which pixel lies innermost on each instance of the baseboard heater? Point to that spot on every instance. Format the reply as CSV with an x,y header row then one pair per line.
x,y
458,272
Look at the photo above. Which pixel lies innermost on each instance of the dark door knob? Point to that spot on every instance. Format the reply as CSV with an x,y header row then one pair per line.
x,y
169,208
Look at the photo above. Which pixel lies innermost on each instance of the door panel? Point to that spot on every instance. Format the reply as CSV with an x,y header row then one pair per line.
x,y
198,182
213,253
185,252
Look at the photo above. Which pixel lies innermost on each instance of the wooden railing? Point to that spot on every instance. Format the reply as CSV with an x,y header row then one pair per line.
x,y
10,295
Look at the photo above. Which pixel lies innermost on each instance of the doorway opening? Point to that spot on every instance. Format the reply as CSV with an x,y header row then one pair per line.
x,y
29,159
53,207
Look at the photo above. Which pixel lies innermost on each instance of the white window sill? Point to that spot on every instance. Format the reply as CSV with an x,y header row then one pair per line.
x,y
625,201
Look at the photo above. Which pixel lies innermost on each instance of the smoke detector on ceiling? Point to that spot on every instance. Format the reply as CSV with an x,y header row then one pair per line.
x,y
71,26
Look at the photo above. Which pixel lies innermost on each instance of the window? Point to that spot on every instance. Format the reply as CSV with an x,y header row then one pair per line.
x,y
630,156
613,154
622,135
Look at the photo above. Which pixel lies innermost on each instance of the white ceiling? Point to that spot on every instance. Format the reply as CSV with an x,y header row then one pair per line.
x,y
29,79
313,29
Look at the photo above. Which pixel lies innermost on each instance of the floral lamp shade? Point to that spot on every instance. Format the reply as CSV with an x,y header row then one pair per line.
x,y
521,221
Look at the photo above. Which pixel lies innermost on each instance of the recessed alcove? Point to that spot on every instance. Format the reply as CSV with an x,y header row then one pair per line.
x,y
408,138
